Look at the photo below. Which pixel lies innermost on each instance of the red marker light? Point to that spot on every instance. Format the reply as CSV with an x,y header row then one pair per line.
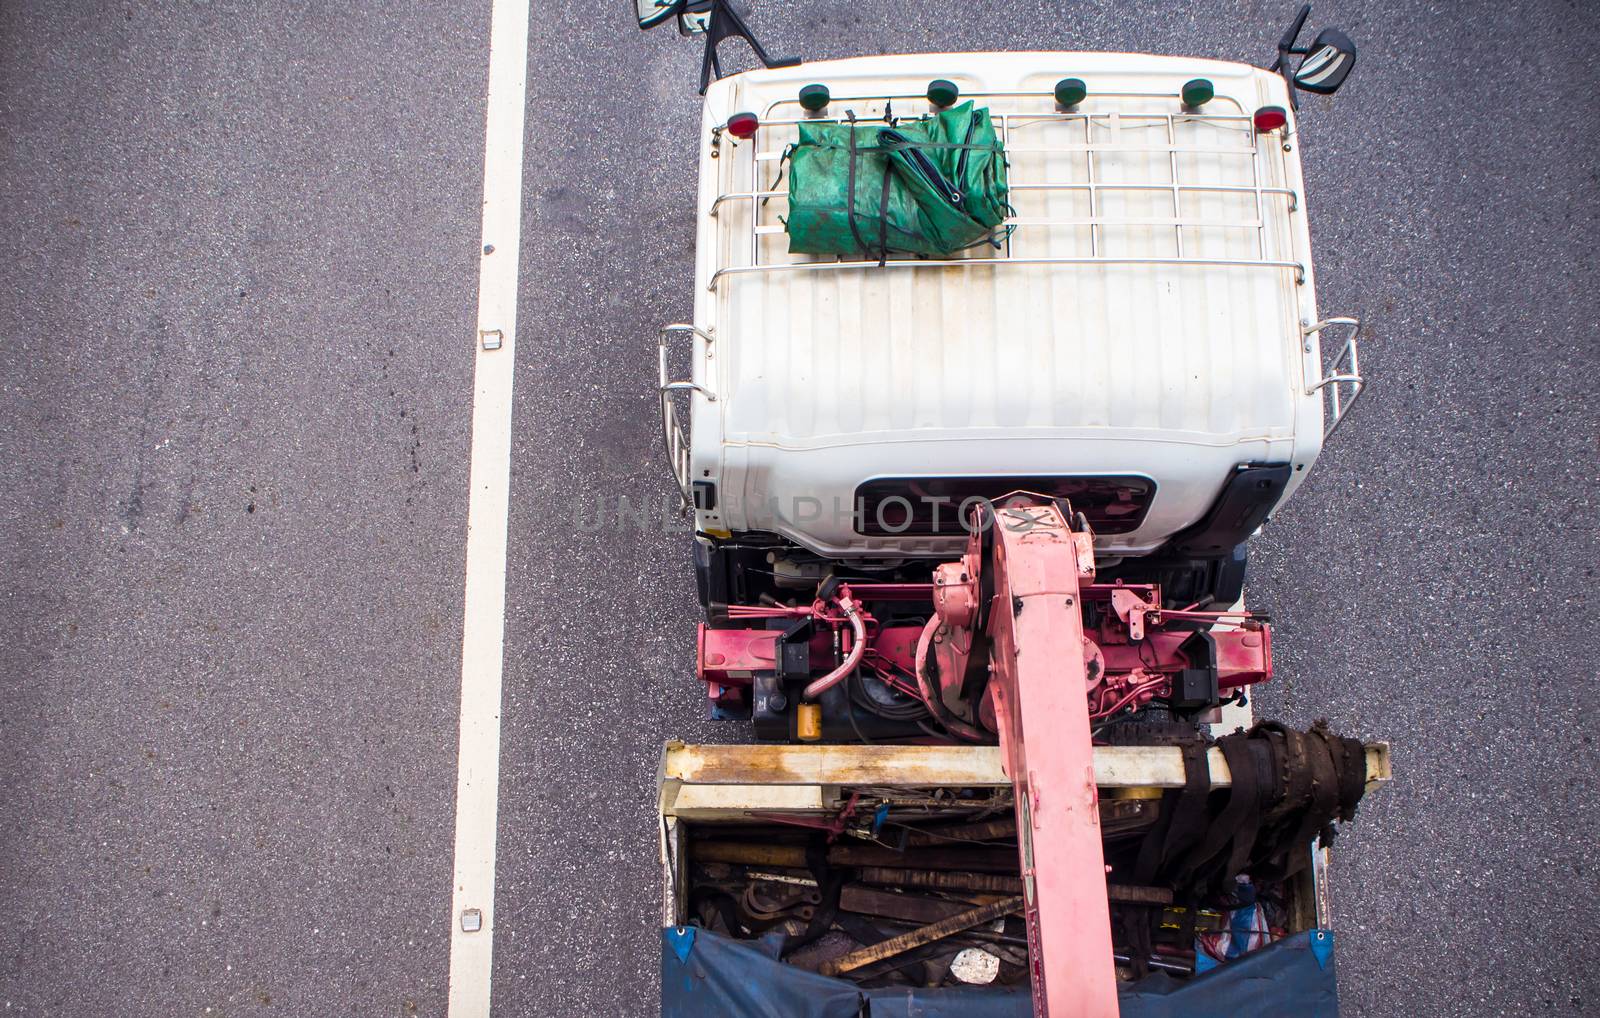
x,y
743,125
1270,118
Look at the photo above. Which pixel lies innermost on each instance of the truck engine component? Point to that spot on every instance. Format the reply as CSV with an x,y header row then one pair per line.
x,y
919,651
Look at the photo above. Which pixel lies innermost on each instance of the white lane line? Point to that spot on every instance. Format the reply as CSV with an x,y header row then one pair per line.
x,y
483,632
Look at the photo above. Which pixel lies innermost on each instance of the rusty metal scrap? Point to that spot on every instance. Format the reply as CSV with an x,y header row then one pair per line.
x,y
988,830
910,907
1121,817
940,880
922,936
748,854
977,860
766,902
983,860
1130,894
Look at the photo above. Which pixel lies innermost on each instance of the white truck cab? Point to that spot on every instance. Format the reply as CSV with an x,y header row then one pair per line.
x,y
1145,340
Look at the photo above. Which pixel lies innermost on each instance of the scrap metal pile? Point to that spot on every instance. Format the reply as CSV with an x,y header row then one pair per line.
x,y
921,890
925,888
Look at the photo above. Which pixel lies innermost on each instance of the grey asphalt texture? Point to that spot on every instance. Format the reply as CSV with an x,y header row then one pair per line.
x,y
238,269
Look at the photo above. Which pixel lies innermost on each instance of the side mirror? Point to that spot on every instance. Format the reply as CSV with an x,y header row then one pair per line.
x,y
716,20
694,18
654,12
1330,61
1327,62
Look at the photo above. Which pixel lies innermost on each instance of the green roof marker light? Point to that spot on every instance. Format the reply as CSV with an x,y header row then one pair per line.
x,y
1197,93
1071,91
942,93
815,98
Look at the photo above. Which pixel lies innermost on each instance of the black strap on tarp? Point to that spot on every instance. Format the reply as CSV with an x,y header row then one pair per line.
x,y
1350,763
891,139
721,903
1320,775
1182,822
850,190
1185,813
1321,807
1251,766
829,882
883,221
1134,925
1287,789
1228,841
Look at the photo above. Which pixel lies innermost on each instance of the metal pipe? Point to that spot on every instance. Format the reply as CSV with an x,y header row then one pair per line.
x,y
980,935
967,863
967,263
1157,963
919,937
910,908
977,869
973,859
988,830
745,854
935,880
1069,185
858,647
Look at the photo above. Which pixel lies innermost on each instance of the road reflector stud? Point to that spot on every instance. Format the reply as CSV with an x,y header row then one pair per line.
x,y
471,920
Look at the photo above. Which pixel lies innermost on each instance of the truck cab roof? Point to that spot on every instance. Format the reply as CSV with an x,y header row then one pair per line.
x,y
1140,335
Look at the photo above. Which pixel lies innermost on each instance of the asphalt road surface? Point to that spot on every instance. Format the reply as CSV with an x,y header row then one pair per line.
x,y
238,271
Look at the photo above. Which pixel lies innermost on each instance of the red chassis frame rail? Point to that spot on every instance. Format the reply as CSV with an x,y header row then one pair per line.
x,y
1051,679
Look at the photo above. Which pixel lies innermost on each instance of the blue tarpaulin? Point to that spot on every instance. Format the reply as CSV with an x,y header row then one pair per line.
x,y
705,975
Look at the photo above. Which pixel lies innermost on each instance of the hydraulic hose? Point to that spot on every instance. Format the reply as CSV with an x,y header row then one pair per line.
x,y
858,648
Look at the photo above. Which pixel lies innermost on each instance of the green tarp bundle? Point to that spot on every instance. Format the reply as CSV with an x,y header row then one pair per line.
x,y
933,186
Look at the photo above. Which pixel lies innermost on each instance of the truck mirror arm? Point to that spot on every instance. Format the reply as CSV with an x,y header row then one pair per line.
x,y
725,22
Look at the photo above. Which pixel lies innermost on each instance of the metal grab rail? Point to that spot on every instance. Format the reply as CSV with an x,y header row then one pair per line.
x,y
1344,371
965,263
674,441
1063,185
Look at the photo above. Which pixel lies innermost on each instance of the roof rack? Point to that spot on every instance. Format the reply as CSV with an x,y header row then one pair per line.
x,y
1079,140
